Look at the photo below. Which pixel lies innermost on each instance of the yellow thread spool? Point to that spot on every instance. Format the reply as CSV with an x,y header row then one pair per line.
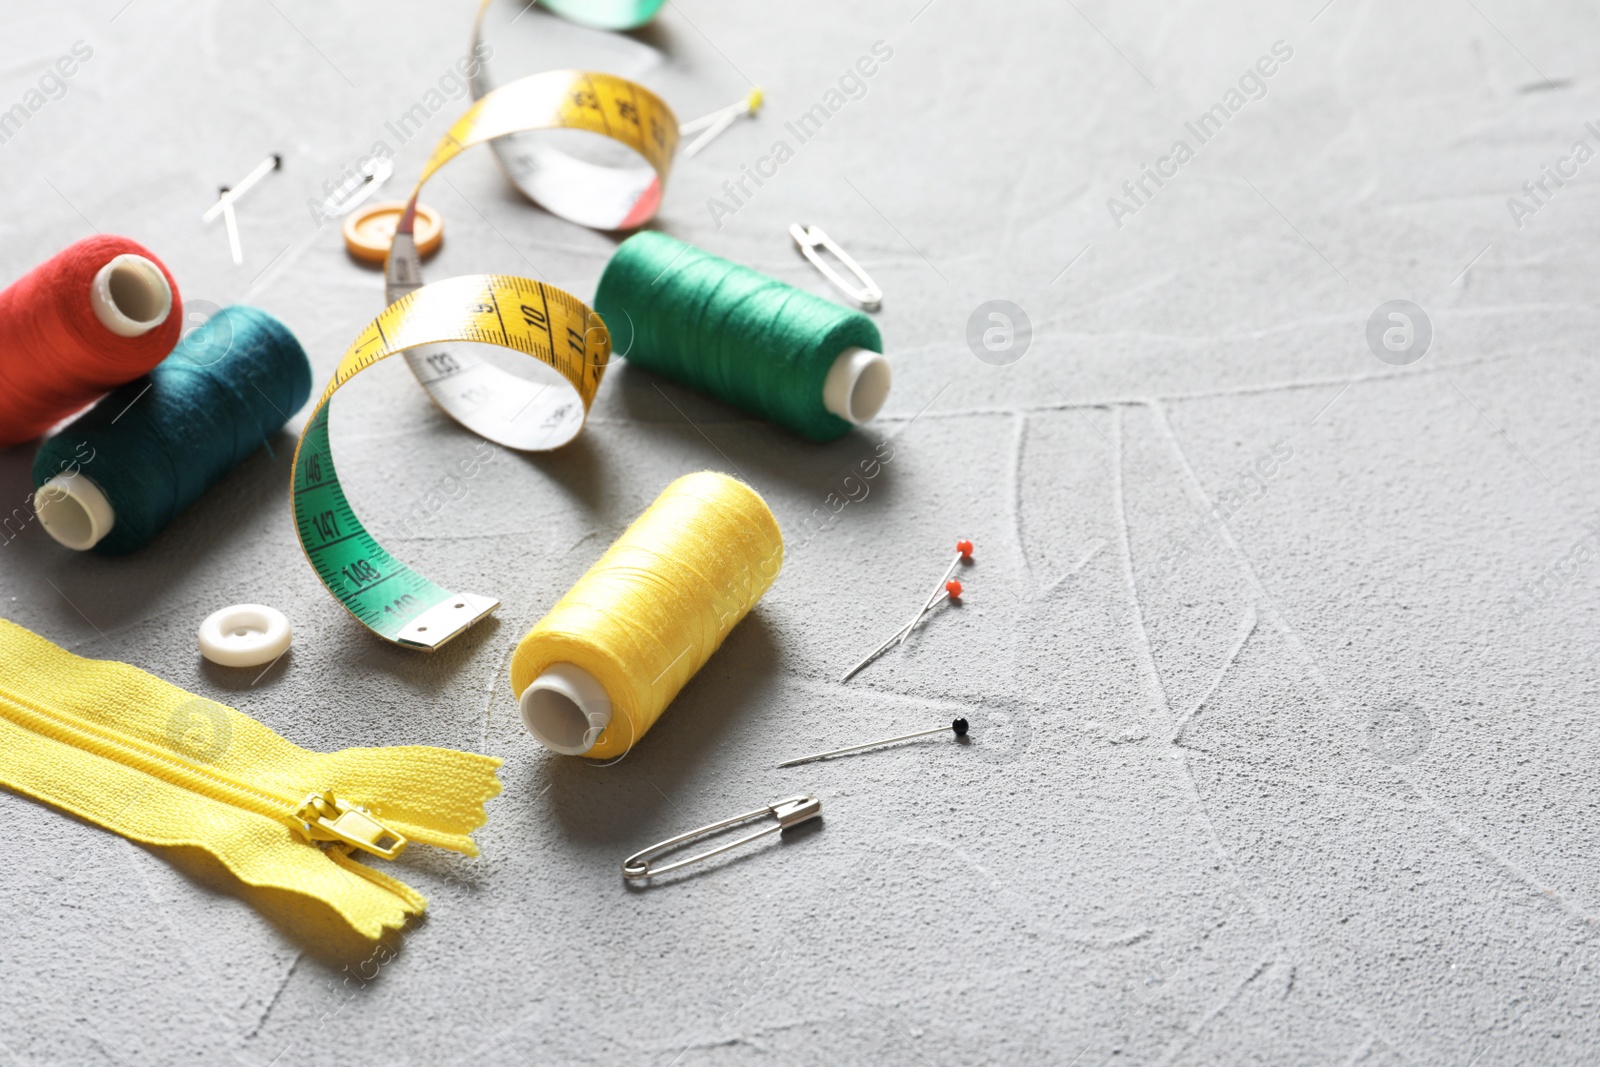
x,y
597,672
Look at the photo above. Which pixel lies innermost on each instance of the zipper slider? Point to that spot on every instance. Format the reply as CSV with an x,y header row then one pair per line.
x,y
324,817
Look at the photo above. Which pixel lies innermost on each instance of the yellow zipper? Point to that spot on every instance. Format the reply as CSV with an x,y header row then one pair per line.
x,y
84,734
320,816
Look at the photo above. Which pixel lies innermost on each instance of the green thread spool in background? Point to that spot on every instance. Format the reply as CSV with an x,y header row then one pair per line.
x,y
150,448
744,338
607,14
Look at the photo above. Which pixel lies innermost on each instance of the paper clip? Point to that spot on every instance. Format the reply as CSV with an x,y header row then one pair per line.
x,y
790,811
809,238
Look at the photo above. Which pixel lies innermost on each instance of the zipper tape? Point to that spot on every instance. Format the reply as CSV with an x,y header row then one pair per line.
x,y
439,329
156,764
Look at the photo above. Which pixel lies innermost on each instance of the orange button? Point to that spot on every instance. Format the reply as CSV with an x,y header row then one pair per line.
x,y
369,231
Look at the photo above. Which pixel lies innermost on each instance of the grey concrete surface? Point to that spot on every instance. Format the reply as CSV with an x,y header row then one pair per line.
x,y
1292,766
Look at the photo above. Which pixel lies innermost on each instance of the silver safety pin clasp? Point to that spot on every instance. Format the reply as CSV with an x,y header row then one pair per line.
x,y
810,238
790,811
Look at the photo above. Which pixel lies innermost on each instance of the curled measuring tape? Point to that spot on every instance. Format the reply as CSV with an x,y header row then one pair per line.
x,y
444,329
460,381
610,195
569,347
586,193
500,406
495,403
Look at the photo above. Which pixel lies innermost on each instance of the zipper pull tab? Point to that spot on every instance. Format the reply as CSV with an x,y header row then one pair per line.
x,y
324,817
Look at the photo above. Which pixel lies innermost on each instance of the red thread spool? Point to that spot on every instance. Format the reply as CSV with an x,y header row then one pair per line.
x,y
96,315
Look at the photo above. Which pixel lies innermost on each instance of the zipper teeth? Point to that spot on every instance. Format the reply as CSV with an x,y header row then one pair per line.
x,y
72,730
171,768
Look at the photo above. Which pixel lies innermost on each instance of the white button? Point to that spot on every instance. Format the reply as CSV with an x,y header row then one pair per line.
x,y
245,635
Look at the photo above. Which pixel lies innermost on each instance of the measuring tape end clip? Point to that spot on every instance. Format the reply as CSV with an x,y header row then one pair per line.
x,y
447,619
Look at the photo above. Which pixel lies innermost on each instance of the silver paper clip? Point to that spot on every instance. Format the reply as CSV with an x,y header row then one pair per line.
x,y
809,238
790,811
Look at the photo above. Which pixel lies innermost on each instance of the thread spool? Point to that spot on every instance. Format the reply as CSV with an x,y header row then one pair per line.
x,y
97,314
119,474
597,672
607,14
744,338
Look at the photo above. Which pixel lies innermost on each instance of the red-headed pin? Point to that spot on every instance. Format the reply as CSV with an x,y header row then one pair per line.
x,y
950,590
963,551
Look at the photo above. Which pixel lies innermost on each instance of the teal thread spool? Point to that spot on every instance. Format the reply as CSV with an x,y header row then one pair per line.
x,y
744,338
118,475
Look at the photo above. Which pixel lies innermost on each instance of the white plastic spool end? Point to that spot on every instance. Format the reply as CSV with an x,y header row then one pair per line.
x,y
130,296
566,708
74,511
857,385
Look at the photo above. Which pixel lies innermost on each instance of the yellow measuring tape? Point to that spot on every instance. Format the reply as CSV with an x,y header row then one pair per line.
x,y
442,329
591,194
445,320
604,196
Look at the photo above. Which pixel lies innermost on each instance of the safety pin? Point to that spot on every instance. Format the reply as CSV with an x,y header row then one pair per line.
x,y
357,188
809,238
790,811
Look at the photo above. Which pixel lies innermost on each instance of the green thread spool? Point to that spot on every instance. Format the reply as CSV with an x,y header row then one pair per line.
x,y
607,14
115,477
742,337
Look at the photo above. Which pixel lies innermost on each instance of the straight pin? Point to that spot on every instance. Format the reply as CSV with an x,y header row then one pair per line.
x,y
231,194
227,196
234,247
959,726
718,121
963,551
952,590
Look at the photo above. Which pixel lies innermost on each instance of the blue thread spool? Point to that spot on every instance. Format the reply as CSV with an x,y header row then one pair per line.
x,y
116,477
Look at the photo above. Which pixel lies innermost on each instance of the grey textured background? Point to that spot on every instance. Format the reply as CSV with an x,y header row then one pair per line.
x,y
1319,791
